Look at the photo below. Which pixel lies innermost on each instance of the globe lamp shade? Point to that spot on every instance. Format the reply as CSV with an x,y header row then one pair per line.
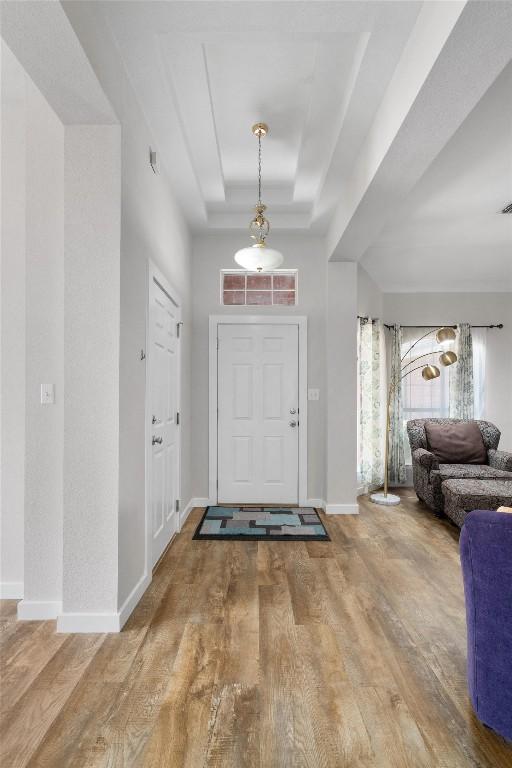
x,y
448,358
430,372
259,258
446,335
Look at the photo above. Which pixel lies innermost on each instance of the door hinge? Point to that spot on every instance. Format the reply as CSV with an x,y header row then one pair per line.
x,y
178,328
178,418
177,505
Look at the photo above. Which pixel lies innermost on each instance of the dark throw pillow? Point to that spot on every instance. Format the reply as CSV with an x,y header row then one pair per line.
x,y
456,443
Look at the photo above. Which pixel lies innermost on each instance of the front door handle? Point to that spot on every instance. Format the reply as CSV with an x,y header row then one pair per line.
x,y
156,440
293,423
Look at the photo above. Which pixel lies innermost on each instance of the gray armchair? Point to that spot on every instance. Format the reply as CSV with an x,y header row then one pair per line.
x,y
429,473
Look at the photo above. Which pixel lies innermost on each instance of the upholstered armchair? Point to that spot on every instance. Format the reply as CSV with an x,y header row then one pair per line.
x,y
429,472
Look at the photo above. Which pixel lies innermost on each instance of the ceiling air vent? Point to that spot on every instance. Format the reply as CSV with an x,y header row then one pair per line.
x,y
507,208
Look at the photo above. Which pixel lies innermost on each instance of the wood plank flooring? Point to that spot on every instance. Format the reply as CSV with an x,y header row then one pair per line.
x,y
261,655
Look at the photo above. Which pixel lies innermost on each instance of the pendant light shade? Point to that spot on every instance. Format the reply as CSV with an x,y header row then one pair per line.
x,y
257,257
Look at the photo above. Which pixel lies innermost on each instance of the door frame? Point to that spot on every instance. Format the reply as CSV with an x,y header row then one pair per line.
x,y
155,275
301,321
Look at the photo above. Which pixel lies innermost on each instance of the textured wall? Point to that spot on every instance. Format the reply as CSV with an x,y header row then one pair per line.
x,y
13,116
91,369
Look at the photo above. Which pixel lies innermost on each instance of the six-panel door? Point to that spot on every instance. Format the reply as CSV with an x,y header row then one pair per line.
x,y
258,420
164,374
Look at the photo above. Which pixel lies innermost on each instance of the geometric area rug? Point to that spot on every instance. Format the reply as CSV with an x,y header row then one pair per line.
x,y
261,524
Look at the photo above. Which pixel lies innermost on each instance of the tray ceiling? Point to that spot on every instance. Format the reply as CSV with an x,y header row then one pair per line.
x,y
205,72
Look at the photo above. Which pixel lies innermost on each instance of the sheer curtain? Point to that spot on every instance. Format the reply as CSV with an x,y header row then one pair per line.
x,y
396,432
462,400
371,379
479,357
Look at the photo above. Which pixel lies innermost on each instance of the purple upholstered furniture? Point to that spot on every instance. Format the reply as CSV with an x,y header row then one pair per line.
x,y
486,556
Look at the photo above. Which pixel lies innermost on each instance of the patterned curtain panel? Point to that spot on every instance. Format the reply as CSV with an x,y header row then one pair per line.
x,y
396,433
462,398
370,432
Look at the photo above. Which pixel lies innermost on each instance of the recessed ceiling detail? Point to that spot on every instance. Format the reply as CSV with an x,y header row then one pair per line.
x,y
314,71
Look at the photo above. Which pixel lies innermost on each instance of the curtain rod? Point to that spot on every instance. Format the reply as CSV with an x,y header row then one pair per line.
x,y
386,325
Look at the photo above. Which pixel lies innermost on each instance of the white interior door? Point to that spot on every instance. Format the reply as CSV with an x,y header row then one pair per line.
x,y
164,429
258,420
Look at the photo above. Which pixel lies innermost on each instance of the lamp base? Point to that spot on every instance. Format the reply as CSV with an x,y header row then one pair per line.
x,y
387,501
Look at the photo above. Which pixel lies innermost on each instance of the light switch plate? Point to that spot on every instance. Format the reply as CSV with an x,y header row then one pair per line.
x,y
313,394
47,394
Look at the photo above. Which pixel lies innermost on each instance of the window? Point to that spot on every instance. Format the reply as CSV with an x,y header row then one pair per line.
x,y
240,288
423,399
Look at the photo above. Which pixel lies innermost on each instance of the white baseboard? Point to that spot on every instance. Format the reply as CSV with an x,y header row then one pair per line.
x,y
132,600
75,623
11,590
318,503
89,622
193,503
38,610
342,509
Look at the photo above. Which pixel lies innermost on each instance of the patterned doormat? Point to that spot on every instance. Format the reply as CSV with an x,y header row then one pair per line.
x,y
261,524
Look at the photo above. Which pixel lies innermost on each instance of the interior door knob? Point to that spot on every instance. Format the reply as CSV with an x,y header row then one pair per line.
x,y
293,423
156,440
292,411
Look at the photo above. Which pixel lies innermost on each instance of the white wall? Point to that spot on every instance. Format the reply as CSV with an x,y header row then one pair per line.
x,y
102,568
369,295
12,326
341,366
152,228
214,252
44,255
475,308
32,339
91,369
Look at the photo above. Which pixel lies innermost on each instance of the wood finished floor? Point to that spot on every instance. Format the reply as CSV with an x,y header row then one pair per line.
x,y
318,654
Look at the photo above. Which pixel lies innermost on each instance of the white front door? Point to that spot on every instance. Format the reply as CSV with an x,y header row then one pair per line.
x,y
258,420
164,428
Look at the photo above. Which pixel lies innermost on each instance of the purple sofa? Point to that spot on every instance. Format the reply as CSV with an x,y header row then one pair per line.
x,y
486,557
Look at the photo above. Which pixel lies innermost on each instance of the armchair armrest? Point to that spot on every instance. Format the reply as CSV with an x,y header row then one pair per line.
x,y
500,459
425,458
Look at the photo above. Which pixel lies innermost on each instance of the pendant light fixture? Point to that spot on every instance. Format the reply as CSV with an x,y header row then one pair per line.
x,y
258,257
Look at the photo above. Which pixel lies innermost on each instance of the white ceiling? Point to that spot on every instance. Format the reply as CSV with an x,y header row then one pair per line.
x,y
337,82
448,234
204,72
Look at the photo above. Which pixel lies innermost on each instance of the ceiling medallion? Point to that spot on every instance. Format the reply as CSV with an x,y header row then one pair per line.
x,y
258,257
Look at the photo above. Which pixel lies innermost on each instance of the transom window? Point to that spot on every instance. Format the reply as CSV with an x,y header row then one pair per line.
x,y
278,288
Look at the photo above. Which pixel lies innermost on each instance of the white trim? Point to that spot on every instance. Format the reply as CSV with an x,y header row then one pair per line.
x,y
133,598
302,322
342,509
11,590
88,623
318,503
193,503
154,273
38,610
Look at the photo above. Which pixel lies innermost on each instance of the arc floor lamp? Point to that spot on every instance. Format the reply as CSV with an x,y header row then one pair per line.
x,y
429,372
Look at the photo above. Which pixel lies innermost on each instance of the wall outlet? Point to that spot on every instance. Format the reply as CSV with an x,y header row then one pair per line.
x,y
313,394
47,394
